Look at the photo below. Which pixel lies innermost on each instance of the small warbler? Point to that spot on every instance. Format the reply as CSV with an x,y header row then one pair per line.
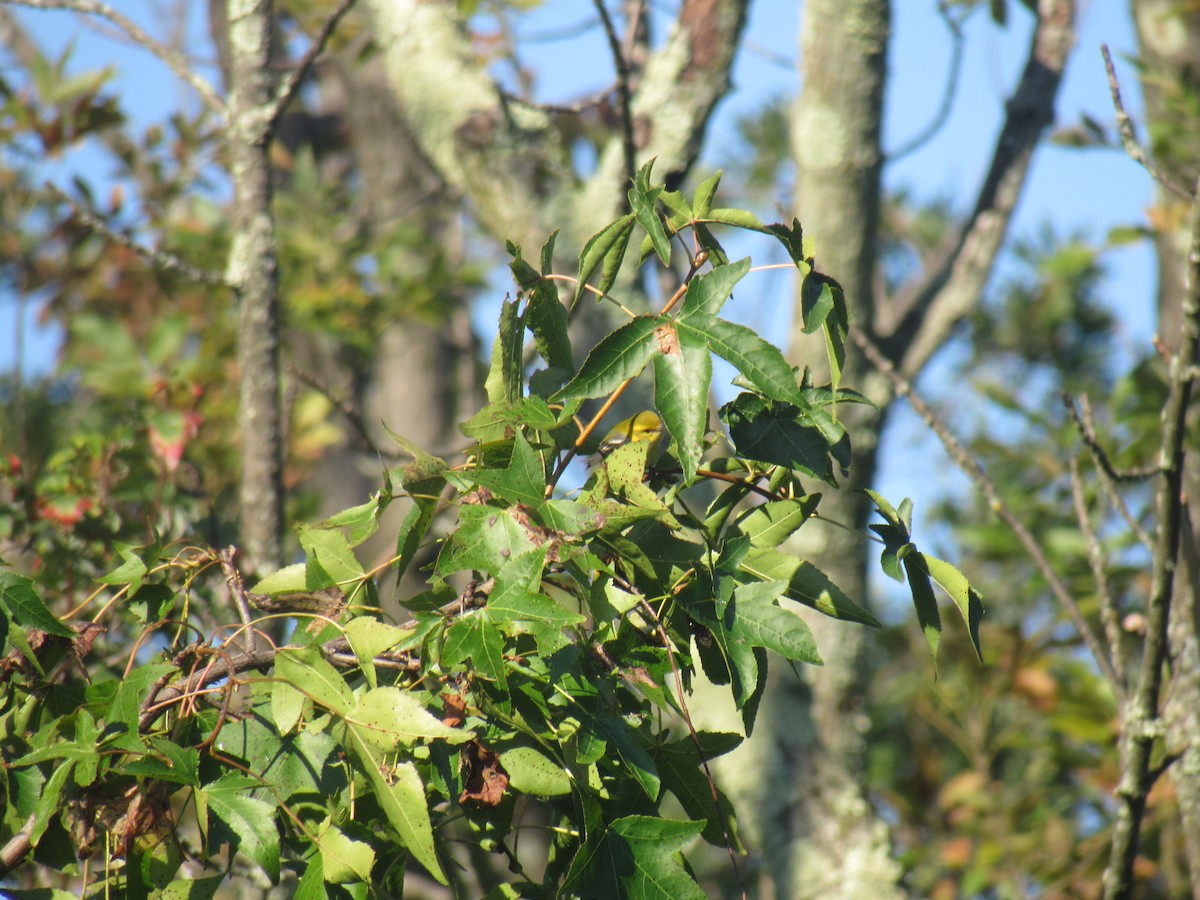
x,y
645,426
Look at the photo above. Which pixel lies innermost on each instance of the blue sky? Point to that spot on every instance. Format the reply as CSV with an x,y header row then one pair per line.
x,y
1089,192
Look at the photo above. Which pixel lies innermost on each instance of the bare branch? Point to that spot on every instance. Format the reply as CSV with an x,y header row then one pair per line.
x,y
948,92
1088,434
160,259
347,409
931,309
973,470
1129,141
171,58
624,99
1141,720
1108,609
291,86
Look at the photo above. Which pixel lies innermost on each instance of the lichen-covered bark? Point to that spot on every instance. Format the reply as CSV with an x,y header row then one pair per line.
x,y
1169,49
508,159
253,272
826,840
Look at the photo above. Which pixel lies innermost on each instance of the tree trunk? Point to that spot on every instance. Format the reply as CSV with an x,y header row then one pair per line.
x,y
1169,49
816,826
253,271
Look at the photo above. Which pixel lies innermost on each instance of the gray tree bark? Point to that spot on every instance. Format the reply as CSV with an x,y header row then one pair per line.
x,y
1169,48
253,272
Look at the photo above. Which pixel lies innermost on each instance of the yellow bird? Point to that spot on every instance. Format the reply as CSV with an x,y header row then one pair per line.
x,y
645,426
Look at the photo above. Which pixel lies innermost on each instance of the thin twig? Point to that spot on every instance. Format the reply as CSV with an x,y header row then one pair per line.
x,y
1110,486
973,470
345,407
1088,434
291,86
624,97
1108,610
160,259
687,718
948,92
1129,140
171,58
233,579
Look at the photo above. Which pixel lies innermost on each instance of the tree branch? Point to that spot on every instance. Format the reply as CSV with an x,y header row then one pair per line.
x,y
160,259
291,86
931,309
973,470
948,92
253,271
508,158
1129,140
1141,721
172,59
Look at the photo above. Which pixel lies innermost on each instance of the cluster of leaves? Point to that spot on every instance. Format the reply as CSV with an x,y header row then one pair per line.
x,y
538,688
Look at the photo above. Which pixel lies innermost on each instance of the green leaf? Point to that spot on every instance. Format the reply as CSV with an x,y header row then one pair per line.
x,y
816,301
702,202
386,717
362,520
682,377
413,529
401,795
524,481
130,572
773,523
20,600
805,583
512,348
761,363
638,763
925,603
642,200
607,246
679,764
620,356
307,670
779,434
525,275
288,580
252,821
546,318
792,238
738,218
368,637
330,559
475,638
127,702
192,888
531,772
498,421
758,622
636,857
344,860
486,539
287,705
708,293
965,597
